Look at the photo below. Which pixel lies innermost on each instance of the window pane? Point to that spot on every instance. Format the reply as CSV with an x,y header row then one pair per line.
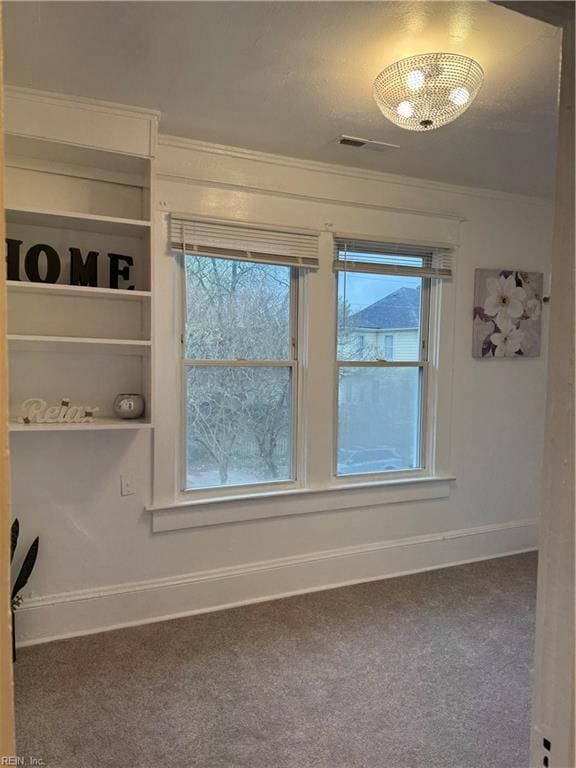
x,y
378,317
236,310
378,419
238,425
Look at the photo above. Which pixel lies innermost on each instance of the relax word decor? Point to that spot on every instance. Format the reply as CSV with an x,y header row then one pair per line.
x,y
83,271
34,410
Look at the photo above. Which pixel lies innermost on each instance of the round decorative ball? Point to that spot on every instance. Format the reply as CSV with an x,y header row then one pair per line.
x,y
129,406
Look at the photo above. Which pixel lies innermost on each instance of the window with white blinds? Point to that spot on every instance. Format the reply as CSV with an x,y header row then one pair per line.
x,y
382,360
240,361
256,394
230,240
354,255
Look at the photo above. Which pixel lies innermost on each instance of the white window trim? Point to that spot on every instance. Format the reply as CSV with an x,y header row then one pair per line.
x,y
293,362
422,363
316,486
299,501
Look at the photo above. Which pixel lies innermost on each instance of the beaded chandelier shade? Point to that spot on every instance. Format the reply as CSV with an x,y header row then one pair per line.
x,y
426,91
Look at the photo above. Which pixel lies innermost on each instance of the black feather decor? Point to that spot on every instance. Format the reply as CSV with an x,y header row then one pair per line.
x,y
27,568
14,532
23,574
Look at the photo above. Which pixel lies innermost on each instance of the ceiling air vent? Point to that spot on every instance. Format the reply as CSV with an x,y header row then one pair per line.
x,y
374,146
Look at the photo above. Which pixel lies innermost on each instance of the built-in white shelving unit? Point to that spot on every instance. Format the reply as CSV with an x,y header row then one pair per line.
x,y
82,193
81,222
125,346
99,424
15,286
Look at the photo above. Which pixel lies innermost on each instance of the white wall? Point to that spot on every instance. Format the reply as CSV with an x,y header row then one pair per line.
x,y
100,565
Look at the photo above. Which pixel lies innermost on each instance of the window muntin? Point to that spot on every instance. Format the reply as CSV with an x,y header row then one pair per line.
x,y
240,372
381,382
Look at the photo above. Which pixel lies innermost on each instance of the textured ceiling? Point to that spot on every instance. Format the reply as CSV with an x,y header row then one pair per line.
x,y
290,77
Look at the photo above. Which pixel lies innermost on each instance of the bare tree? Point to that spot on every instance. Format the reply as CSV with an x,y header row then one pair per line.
x,y
238,415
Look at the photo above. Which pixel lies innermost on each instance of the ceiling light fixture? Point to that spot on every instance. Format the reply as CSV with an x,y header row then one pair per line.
x,y
426,91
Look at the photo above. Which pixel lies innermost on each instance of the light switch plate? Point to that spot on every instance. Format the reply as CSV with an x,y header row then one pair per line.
x,y
127,485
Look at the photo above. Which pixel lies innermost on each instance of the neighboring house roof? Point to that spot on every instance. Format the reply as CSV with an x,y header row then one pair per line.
x,y
400,309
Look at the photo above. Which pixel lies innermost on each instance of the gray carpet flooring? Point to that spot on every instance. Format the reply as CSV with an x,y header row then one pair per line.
x,y
425,671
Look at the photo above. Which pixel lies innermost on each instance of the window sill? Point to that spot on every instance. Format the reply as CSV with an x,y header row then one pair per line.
x,y
202,513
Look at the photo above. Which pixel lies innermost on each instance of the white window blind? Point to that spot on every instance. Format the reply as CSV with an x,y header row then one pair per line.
x,y
352,255
231,240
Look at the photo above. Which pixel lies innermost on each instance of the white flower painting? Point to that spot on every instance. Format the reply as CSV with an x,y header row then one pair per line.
x,y
507,313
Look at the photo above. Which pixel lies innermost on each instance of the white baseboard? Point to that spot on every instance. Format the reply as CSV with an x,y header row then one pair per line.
x,y
54,617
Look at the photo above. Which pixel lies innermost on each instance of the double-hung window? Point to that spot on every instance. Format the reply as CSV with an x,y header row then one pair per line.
x,y
249,415
383,328
240,351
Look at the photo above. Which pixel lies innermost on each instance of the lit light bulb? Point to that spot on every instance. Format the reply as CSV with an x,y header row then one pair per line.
x,y
459,96
405,109
415,79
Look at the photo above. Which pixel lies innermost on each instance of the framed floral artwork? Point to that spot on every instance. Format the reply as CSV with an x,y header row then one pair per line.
x,y
507,313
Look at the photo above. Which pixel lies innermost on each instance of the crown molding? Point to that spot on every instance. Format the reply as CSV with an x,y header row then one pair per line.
x,y
259,190
239,153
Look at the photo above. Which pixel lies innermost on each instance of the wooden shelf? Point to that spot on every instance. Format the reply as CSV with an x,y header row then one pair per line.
x,y
71,343
78,221
56,289
99,424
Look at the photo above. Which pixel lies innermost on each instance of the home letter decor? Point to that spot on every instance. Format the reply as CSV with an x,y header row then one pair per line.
x,y
83,272
116,271
13,258
32,264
